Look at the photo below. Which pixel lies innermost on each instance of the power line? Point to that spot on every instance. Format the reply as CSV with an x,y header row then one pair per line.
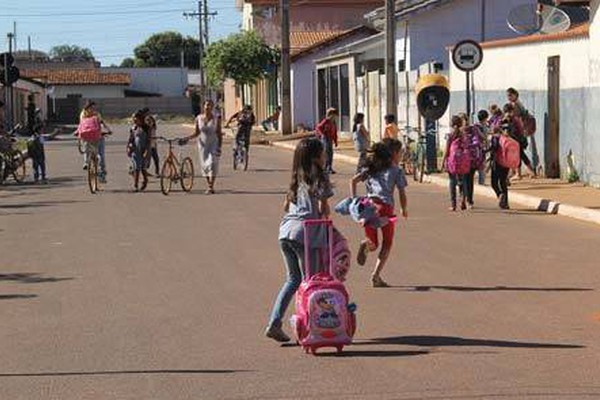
x,y
83,14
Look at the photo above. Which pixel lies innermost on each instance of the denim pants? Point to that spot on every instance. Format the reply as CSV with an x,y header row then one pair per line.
x,y
457,180
293,256
328,145
39,166
469,185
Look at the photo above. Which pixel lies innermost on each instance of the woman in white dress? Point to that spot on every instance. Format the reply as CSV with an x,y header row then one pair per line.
x,y
210,139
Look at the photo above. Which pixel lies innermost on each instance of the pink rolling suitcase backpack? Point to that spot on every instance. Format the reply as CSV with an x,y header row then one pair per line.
x,y
324,317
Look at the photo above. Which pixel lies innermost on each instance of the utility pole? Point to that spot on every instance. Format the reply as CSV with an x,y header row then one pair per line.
x,y
202,14
390,56
8,91
286,80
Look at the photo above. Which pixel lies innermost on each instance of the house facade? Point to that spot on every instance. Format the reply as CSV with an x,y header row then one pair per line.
x,y
312,23
559,84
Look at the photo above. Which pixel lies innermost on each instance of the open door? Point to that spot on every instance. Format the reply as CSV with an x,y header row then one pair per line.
x,y
552,145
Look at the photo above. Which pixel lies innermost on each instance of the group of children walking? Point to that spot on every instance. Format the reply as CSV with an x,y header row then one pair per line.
x,y
496,142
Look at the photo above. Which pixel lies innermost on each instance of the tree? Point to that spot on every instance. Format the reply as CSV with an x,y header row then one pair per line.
x,y
67,52
128,63
164,50
243,57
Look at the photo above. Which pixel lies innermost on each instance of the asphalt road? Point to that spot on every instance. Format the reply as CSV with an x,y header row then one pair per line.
x,y
143,296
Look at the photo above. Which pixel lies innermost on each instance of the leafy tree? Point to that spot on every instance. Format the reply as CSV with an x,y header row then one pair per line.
x,y
67,52
128,63
243,57
164,50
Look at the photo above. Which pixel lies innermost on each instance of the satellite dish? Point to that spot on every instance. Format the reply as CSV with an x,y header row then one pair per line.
x,y
528,19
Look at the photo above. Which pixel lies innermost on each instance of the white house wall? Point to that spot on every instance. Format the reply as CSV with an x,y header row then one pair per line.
x,y
431,32
90,91
592,133
524,67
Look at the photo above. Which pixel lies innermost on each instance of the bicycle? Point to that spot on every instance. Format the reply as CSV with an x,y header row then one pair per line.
x,y
92,156
416,153
174,171
240,152
12,160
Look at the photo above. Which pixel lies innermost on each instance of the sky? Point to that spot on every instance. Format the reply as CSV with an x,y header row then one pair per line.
x,y
111,29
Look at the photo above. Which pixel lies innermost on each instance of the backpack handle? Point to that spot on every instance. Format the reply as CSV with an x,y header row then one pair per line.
x,y
311,223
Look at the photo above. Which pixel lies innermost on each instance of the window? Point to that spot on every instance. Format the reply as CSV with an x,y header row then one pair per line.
x,y
344,98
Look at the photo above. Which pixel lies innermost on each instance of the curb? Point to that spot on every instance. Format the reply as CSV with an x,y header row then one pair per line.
x,y
543,205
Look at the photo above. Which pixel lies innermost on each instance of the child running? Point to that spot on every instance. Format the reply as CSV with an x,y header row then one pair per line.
x,y
307,199
138,148
382,176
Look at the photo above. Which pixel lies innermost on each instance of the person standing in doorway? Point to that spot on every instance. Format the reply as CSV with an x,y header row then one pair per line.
x,y
327,132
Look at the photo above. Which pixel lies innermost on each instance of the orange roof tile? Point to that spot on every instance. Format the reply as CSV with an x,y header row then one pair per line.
x,y
302,40
77,77
582,30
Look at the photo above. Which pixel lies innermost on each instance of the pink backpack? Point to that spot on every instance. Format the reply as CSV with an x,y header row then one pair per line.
x,y
342,257
323,316
90,129
508,154
459,157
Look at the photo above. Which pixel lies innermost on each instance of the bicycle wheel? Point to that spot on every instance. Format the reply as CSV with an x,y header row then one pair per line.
x,y
19,170
187,174
167,175
92,171
235,158
80,146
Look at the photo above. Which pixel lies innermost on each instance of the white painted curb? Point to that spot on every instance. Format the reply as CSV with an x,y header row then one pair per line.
x,y
536,203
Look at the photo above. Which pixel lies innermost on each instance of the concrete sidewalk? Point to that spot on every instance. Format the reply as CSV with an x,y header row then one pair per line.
x,y
573,200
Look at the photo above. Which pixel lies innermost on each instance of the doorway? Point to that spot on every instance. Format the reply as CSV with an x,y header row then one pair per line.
x,y
552,147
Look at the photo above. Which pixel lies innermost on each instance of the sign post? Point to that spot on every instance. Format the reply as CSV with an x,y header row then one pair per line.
x,y
467,56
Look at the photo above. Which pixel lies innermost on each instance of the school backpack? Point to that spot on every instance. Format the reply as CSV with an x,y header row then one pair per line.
x,y
459,157
508,154
529,124
324,317
90,129
476,149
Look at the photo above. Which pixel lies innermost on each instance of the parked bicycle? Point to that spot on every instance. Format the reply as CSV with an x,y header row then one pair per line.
x,y
12,159
415,156
174,171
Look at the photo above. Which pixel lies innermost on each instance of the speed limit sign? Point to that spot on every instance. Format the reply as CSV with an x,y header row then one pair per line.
x,y
467,55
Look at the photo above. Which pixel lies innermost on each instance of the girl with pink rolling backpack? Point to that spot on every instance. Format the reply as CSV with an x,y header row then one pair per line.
x,y
322,316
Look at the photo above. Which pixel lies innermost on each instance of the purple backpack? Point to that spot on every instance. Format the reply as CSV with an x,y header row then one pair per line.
x,y
459,157
476,147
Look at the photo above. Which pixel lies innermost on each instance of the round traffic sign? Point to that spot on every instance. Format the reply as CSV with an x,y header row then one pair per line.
x,y
467,55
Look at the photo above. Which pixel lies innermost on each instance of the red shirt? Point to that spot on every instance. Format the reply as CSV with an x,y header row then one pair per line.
x,y
328,129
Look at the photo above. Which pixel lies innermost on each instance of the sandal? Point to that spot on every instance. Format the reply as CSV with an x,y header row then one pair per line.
x,y
377,282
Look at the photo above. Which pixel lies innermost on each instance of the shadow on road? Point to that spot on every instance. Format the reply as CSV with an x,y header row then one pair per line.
x,y
442,341
29,277
53,183
252,192
373,353
133,372
36,204
17,296
491,289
